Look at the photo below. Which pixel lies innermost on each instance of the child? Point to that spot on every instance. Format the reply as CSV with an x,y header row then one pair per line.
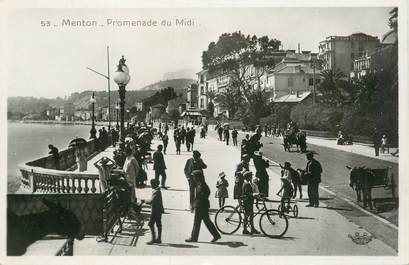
x,y
156,212
221,191
248,201
287,189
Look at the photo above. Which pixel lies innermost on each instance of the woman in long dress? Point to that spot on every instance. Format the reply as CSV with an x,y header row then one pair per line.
x,y
131,169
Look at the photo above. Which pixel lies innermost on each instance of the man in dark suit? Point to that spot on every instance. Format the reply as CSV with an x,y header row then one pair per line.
x,y
313,172
159,165
202,205
194,163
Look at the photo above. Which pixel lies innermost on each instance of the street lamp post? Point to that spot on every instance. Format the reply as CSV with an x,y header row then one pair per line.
x,y
117,115
122,79
93,132
127,120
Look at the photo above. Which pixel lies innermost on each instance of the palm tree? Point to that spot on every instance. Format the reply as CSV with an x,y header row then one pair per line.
x,y
334,88
230,99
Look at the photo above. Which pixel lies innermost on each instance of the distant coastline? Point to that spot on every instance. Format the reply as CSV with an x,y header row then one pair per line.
x,y
103,123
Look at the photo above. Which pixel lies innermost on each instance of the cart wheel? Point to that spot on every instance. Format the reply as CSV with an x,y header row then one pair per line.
x,y
295,211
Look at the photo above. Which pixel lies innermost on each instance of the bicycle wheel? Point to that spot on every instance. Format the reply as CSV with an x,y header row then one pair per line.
x,y
273,224
295,210
227,220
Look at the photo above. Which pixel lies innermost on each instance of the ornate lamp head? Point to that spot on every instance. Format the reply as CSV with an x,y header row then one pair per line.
x,y
122,76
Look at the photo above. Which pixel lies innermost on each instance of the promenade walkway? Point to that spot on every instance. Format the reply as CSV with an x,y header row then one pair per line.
x,y
317,231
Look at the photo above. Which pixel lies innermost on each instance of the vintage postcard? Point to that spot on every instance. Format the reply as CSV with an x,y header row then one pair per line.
x,y
205,132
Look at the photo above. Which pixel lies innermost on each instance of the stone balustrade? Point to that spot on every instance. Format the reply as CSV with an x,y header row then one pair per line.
x,y
36,179
40,175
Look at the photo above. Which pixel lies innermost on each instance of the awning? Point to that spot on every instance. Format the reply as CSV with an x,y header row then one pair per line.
x,y
190,113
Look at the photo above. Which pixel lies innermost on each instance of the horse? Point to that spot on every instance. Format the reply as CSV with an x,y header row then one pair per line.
x,y
289,139
362,180
301,141
22,231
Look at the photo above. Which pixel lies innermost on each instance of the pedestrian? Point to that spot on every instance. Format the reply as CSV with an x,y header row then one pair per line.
x,y
261,166
192,137
192,164
104,171
265,130
384,144
183,134
242,167
201,206
178,143
131,169
244,148
220,132
287,192
159,165
81,158
313,172
188,138
55,155
248,201
165,140
221,191
226,134
376,138
234,134
157,210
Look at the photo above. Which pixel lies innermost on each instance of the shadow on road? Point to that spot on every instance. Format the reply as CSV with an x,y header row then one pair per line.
x,y
231,244
337,208
176,245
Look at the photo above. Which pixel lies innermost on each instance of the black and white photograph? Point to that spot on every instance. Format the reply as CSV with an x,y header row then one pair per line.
x,y
225,132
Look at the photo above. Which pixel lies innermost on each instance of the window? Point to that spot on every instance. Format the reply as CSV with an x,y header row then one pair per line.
x,y
201,103
290,82
311,81
352,55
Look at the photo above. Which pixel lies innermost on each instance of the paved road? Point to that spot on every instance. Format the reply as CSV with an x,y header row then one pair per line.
x,y
318,231
335,175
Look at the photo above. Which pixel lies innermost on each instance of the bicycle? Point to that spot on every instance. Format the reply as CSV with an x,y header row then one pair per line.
x,y
272,223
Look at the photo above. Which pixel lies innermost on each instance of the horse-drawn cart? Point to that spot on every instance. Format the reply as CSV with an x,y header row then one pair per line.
x,y
363,180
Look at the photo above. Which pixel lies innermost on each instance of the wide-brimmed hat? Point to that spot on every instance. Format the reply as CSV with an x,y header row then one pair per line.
x,y
222,174
256,180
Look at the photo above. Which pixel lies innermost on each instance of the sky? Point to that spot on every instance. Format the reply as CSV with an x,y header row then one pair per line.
x,y
51,61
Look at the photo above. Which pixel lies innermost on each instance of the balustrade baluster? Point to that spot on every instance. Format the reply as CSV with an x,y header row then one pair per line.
x,y
49,183
63,184
40,180
68,185
73,188
80,184
86,189
58,185
93,189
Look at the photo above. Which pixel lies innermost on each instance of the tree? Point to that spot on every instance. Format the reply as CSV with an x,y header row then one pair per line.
x,y
334,89
229,99
242,59
210,105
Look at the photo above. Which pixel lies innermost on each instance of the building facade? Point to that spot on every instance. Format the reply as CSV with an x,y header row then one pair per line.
x,y
292,77
339,52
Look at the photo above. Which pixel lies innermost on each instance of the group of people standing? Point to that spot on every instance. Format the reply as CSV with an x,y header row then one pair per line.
x,y
184,136
223,132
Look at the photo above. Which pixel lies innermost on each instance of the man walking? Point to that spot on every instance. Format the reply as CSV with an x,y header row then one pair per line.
x,y
194,163
313,172
165,139
376,138
234,134
159,165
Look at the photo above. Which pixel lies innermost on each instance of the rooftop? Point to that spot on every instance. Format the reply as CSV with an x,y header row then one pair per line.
x,y
293,97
